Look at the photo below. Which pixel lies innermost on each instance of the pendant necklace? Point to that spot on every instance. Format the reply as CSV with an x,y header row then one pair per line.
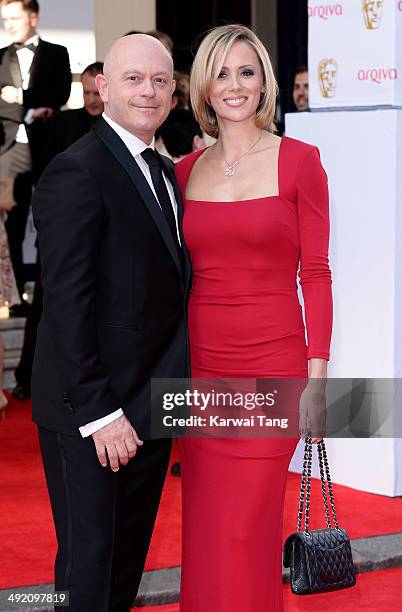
x,y
231,168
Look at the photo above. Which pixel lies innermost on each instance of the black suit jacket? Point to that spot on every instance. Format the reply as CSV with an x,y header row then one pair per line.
x,y
114,292
66,128
49,85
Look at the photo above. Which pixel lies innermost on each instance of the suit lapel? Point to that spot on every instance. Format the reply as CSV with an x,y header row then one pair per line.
x,y
180,211
119,150
35,63
14,67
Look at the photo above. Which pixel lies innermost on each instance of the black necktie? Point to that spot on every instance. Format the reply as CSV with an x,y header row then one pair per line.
x,y
31,46
162,194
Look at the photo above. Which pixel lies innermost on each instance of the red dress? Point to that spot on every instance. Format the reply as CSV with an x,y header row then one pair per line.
x,y
245,320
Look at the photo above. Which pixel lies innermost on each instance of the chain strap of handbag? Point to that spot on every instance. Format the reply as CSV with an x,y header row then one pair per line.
x,y
305,486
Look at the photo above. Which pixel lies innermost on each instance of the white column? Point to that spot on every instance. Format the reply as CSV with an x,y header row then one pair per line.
x,y
113,19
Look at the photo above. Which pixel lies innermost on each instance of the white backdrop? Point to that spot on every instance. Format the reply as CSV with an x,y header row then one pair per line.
x,y
362,154
355,58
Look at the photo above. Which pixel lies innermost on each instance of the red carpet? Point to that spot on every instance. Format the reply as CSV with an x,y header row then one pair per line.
x,y
26,517
374,592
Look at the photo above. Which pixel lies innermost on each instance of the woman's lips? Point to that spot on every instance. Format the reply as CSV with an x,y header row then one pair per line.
x,y
238,101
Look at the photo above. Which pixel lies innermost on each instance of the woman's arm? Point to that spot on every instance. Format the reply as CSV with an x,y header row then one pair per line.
x,y
315,274
316,282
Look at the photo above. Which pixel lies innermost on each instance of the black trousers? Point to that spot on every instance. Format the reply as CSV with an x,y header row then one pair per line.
x,y
104,520
23,372
16,163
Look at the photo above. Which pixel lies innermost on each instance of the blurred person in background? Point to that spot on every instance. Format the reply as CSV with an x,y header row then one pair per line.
x,y
65,128
9,295
3,399
8,289
181,134
181,94
35,80
180,99
300,89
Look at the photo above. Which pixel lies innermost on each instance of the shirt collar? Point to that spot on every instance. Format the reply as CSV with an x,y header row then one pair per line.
x,y
134,144
34,40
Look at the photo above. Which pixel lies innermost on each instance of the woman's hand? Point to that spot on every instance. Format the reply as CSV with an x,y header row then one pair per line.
x,y
312,407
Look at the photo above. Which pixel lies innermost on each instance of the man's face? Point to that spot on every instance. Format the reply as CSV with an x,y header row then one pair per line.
x,y
300,91
138,84
19,24
92,101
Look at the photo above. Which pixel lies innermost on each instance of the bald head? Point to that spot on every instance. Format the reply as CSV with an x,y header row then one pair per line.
x,y
136,43
137,84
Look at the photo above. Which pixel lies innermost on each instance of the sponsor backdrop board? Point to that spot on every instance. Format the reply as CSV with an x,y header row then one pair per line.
x,y
355,54
361,152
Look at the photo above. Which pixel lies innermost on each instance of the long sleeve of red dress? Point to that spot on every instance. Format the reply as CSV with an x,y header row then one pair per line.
x,y
314,271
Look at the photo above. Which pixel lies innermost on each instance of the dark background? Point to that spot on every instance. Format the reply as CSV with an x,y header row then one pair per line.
x,y
186,21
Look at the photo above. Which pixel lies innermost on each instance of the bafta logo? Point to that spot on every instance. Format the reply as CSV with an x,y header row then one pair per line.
x,y
372,11
327,71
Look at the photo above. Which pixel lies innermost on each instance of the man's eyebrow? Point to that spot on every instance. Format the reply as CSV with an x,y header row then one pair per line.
x,y
136,71
163,73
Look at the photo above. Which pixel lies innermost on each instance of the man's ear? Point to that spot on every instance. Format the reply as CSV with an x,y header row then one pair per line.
x,y
101,84
198,143
34,20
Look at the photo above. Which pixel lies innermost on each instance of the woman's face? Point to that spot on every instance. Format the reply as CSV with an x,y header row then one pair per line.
x,y
235,92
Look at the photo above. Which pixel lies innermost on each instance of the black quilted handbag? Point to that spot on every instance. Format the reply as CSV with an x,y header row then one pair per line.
x,y
319,560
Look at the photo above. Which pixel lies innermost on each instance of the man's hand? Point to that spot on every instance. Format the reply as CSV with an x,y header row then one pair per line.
x,y
11,94
43,112
117,442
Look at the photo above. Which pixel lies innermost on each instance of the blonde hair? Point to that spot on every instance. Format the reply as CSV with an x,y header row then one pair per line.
x,y
207,64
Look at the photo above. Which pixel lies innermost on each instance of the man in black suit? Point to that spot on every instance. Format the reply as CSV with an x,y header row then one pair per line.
x,y
68,126
115,277
35,79
65,128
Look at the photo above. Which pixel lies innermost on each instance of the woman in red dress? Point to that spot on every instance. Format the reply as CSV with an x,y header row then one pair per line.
x,y
256,215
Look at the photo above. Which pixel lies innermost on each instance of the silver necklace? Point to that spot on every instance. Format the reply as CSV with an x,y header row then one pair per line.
x,y
231,168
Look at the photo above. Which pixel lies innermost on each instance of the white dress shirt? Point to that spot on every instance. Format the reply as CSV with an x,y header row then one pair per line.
x,y
25,59
136,147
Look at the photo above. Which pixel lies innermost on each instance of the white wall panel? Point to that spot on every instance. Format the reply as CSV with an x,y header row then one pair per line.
x,y
361,152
